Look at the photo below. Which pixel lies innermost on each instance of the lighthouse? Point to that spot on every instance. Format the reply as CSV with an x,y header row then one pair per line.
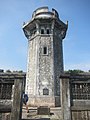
x,y
45,33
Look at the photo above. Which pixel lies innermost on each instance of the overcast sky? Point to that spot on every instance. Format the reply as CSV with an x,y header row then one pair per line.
x,y
13,44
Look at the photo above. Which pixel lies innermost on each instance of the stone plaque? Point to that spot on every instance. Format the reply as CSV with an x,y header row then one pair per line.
x,y
45,91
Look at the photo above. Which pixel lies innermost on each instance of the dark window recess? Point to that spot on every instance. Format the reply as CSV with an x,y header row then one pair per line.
x,y
45,91
80,90
45,50
42,31
5,91
48,32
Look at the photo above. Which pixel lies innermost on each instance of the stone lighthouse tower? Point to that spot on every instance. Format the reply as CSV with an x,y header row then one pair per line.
x,y
45,32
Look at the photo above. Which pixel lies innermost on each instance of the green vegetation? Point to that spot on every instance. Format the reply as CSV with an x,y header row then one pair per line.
x,y
74,72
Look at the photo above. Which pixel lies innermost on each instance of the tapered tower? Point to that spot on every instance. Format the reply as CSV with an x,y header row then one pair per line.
x,y
45,33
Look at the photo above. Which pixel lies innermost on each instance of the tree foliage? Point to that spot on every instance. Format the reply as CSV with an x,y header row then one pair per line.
x,y
9,71
73,72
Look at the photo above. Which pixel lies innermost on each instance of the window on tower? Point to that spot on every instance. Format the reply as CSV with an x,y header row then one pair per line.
x,y
45,50
48,31
42,31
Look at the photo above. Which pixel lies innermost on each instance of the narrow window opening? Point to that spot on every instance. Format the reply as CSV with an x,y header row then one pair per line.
x,y
48,32
45,50
42,31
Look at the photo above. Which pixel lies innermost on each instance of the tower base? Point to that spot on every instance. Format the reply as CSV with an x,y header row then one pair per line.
x,y
44,101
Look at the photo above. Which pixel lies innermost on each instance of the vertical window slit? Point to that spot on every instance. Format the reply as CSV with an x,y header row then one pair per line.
x,y
45,50
42,31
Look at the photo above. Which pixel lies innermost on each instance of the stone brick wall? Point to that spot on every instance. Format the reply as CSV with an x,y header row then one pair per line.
x,y
44,69
32,66
40,68
58,62
77,107
45,66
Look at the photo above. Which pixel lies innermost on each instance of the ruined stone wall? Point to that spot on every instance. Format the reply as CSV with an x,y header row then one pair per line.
x,y
75,96
81,115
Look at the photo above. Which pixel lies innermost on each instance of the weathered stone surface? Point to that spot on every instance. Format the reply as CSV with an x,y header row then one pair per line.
x,y
55,114
17,100
5,105
65,99
7,79
43,110
75,108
